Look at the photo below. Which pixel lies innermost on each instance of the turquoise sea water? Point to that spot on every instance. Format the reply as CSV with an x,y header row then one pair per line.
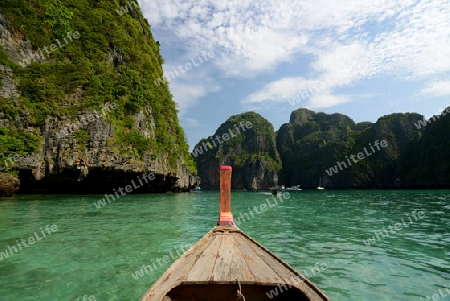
x,y
94,252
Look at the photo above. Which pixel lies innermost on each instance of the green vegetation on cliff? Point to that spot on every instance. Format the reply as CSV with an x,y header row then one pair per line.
x,y
252,153
432,155
313,143
248,149
115,59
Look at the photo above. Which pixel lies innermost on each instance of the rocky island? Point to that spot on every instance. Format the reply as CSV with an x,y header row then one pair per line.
x,y
79,110
402,150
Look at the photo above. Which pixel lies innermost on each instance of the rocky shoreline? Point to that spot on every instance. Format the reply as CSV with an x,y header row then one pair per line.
x,y
8,185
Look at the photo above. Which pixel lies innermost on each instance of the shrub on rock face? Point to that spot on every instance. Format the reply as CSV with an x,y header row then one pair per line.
x,y
81,80
246,142
8,185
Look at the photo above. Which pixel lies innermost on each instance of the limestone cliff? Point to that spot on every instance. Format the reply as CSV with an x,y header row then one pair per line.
x,y
249,148
397,151
79,109
309,143
317,145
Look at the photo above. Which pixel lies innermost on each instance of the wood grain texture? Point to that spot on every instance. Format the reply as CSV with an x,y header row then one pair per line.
x,y
224,256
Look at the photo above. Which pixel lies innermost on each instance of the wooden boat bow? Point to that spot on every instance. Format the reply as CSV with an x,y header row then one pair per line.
x,y
227,264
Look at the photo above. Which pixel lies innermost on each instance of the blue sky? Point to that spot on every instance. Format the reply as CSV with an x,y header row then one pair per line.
x,y
364,59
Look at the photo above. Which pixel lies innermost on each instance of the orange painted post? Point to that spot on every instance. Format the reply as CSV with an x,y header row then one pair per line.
x,y
226,217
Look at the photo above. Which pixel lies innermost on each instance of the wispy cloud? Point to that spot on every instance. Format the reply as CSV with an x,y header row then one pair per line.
x,y
186,95
189,87
280,91
350,40
326,100
190,122
436,89
256,34
415,46
296,90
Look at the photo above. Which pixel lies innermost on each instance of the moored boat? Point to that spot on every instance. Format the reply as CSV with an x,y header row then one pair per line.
x,y
320,185
196,189
294,188
226,264
277,188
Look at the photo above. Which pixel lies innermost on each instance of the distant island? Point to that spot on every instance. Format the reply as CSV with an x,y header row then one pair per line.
x,y
399,151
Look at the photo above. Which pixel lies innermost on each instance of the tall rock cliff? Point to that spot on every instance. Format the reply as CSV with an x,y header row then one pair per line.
x,y
84,106
309,142
249,147
398,151
317,145
432,155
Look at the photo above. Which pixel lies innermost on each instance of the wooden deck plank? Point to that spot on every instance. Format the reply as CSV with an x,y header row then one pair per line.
x,y
260,271
178,270
274,263
203,269
230,264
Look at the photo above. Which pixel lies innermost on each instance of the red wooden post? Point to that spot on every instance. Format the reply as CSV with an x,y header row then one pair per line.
x,y
226,217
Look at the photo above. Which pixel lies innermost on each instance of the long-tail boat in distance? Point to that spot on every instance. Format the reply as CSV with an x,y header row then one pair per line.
x,y
227,264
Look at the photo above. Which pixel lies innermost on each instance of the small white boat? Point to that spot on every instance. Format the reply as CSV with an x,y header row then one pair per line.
x,y
320,185
294,188
196,189
275,189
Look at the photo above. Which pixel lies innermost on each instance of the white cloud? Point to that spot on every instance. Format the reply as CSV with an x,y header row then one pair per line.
x,y
436,89
416,47
294,90
261,35
256,34
188,86
348,63
186,95
189,122
326,100
278,91
419,45
347,41
188,91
